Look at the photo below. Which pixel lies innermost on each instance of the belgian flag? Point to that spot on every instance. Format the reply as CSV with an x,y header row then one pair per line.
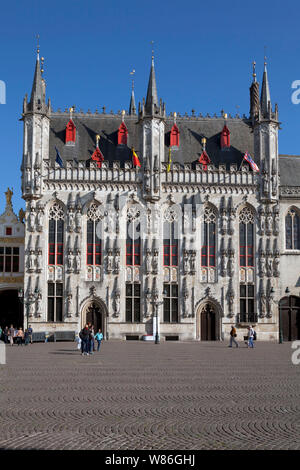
x,y
135,158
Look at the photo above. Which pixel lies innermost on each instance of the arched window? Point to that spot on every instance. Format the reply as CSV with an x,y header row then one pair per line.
x,y
70,132
208,248
56,235
246,220
174,136
133,240
171,238
292,230
93,236
122,134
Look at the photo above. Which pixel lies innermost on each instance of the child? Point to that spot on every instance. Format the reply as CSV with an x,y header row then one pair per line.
x,y
99,338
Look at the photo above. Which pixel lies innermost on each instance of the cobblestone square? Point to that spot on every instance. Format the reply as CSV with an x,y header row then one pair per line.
x,y
135,395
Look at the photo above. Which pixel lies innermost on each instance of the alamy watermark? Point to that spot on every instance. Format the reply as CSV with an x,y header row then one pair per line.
x,y
296,94
2,92
296,354
2,353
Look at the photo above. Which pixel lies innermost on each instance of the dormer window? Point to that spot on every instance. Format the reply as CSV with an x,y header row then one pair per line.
x,y
174,136
225,138
8,231
204,160
70,133
122,134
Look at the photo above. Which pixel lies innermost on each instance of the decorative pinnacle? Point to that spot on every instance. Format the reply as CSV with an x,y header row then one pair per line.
x,y
72,109
132,73
254,71
152,42
97,140
38,45
42,65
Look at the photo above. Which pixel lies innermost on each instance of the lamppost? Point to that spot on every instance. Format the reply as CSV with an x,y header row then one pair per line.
x,y
156,303
30,300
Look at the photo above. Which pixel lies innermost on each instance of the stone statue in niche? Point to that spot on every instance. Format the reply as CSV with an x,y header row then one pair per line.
x,y
148,261
78,261
31,261
70,259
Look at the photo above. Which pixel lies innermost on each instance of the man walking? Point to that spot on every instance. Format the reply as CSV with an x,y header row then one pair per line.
x,y
232,337
250,337
30,331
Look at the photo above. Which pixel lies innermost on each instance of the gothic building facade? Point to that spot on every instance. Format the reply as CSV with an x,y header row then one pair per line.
x,y
184,242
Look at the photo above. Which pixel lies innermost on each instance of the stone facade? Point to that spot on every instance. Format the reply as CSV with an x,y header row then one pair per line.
x,y
115,193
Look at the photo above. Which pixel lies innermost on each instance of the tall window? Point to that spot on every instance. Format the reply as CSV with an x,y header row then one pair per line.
x,y
133,303
170,242
171,303
9,259
247,302
246,220
208,248
93,236
55,302
133,240
56,235
292,230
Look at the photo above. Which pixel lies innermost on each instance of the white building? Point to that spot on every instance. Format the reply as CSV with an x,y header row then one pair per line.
x,y
221,240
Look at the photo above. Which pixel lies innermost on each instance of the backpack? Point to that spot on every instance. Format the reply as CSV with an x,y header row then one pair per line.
x,y
254,335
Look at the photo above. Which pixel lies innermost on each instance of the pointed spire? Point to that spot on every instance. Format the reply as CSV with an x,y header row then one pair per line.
x,y
132,107
265,99
254,96
152,99
37,99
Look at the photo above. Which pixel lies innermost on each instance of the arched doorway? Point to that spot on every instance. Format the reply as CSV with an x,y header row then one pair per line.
x,y
11,311
95,316
208,323
289,321
94,311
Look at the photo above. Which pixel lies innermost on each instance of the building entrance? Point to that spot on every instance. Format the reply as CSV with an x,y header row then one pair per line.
x,y
95,316
11,309
208,323
289,308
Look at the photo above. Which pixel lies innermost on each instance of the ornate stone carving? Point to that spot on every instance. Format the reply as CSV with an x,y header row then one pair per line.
x,y
70,260
185,261
263,304
155,261
69,304
193,262
230,297
148,261
77,261
147,303
31,261
117,302
40,220
269,223
262,264
117,260
39,306
39,260
78,220
262,224
276,263
185,294
110,261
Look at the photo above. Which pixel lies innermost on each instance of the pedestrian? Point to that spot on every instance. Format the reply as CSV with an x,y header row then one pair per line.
x,y
91,339
11,332
26,337
5,334
85,336
20,336
99,338
250,337
30,331
233,335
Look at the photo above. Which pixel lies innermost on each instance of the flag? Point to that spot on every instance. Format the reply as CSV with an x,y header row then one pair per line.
x,y
98,157
170,161
248,159
136,161
58,158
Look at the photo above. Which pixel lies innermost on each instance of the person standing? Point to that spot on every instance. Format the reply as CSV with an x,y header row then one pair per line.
x,y
30,331
85,336
26,337
11,332
20,336
99,338
5,333
250,337
233,335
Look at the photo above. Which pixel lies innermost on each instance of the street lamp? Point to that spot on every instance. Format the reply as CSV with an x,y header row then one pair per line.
x,y
156,303
30,300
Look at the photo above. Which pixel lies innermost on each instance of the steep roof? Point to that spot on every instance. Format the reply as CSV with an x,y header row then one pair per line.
x,y
191,129
289,168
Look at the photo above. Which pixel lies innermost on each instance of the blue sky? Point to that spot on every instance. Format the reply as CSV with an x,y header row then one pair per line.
x,y
203,56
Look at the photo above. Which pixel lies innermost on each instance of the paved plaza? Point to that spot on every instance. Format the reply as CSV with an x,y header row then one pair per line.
x,y
135,395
